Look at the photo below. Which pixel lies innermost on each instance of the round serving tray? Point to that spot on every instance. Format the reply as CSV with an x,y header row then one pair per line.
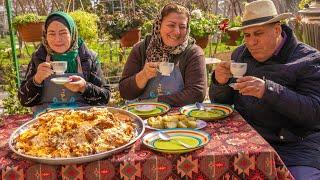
x,y
140,127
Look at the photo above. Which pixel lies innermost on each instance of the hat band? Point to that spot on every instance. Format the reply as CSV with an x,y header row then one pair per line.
x,y
256,21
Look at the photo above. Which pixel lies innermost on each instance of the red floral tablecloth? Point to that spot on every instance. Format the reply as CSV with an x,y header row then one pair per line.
x,y
236,151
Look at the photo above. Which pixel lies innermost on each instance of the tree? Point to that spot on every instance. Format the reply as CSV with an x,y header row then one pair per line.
x,y
79,4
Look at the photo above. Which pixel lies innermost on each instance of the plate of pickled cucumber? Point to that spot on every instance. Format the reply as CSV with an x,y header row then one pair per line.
x,y
174,121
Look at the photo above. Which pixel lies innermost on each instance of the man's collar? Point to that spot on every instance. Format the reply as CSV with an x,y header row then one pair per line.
x,y
289,45
284,38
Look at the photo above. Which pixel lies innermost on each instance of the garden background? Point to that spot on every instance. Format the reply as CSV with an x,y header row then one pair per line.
x,y
104,24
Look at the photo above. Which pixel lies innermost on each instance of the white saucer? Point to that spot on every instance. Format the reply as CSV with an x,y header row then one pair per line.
x,y
60,80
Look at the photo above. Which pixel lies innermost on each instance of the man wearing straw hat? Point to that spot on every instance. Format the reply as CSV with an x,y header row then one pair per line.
x,y
279,95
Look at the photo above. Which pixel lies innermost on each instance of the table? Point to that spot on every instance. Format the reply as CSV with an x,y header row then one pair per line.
x,y
212,61
210,66
236,151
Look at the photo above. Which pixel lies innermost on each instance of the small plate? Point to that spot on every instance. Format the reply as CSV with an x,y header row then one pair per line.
x,y
60,80
145,107
160,108
200,124
232,85
214,112
194,138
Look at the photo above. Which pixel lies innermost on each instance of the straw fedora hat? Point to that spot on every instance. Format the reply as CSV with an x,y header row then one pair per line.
x,y
258,13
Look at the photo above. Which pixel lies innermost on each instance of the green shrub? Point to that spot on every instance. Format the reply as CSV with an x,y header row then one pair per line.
x,y
303,3
87,24
203,24
146,27
116,100
27,18
118,23
112,68
11,103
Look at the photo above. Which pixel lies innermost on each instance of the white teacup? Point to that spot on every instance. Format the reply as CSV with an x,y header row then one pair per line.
x,y
238,69
59,67
165,68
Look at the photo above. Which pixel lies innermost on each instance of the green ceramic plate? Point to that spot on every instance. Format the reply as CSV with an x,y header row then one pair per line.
x,y
213,112
194,138
159,109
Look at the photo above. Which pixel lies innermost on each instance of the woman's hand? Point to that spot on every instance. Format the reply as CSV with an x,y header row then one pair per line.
x,y
76,84
222,72
149,71
43,72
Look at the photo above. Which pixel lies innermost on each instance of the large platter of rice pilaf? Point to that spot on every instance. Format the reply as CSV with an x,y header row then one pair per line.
x,y
72,136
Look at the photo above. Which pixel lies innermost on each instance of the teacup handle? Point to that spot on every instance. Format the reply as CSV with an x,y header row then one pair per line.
x,y
158,69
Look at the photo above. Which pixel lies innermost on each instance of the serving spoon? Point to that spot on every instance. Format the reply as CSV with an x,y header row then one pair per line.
x,y
166,137
202,107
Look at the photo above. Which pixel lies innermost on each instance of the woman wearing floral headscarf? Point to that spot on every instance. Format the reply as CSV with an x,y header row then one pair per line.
x,y
169,42
85,86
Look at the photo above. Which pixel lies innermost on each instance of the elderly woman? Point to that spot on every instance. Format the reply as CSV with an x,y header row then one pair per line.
x,y
169,42
85,83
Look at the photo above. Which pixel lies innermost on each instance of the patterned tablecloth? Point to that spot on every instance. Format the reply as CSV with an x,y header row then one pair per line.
x,y
236,151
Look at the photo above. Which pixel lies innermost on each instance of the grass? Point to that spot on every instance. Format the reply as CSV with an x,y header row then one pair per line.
x,y
213,48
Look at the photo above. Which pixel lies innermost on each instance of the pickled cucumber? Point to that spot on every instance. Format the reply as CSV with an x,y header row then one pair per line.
x,y
192,124
171,124
155,123
182,125
173,121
